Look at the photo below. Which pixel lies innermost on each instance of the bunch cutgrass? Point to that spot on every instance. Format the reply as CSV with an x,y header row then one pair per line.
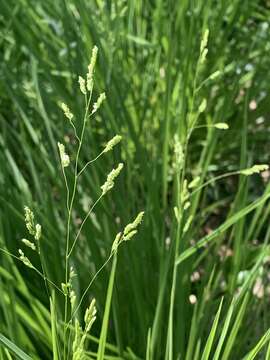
x,y
193,116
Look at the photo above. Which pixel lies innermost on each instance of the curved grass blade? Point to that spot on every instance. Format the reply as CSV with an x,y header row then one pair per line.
x,y
210,340
14,348
225,226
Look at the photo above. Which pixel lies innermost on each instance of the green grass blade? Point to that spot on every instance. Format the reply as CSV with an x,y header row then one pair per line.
x,y
54,329
253,353
105,322
210,340
14,348
225,226
235,329
224,332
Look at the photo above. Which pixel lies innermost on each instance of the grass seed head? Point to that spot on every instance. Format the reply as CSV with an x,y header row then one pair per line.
x,y
116,242
109,183
90,315
179,154
133,226
204,41
38,232
256,169
91,67
67,111
25,259
114,141
65,161
29,244
29,220
221,126
82,85
98,103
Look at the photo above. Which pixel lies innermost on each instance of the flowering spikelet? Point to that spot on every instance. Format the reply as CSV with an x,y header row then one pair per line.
x,y
202,106
77,346
129,231
29,220
63,156
203,47
179,154
116,242
38,232
184,193
91,66
90,315
109,183
204,40
221,126
130,235
194,182
72,298
98,103
177,213
256,169
187,224
25,259
215,75
66,111
114,141
133,226
79,340
82,85
29,244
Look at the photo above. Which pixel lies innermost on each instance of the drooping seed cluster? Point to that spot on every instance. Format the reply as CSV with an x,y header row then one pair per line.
x,y
109,183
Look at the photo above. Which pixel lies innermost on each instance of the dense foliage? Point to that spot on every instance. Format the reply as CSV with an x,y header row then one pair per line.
x,y
193,282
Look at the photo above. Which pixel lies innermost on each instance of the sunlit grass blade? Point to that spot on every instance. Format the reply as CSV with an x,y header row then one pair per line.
x,y
105,321
210,340
20,354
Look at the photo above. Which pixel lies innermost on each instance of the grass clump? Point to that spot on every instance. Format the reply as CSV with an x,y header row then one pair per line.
x,y
185,111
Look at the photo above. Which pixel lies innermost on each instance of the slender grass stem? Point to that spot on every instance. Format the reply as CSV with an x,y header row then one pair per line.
x,y
82,224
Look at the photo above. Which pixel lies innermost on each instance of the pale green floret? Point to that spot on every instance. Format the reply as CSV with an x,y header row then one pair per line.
x,y
90,315
29,244
65,161
194,182
214,75
72,297
65,288
98,103
203,55
114,141
79,340
77,346
116,242
204,40
91,67
25,259
109,183
202,106
134,224
186,205
29,220
184,193
256,169
82,85
130,235
188,223
67,111
221,126
176,213
179,154
38,232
